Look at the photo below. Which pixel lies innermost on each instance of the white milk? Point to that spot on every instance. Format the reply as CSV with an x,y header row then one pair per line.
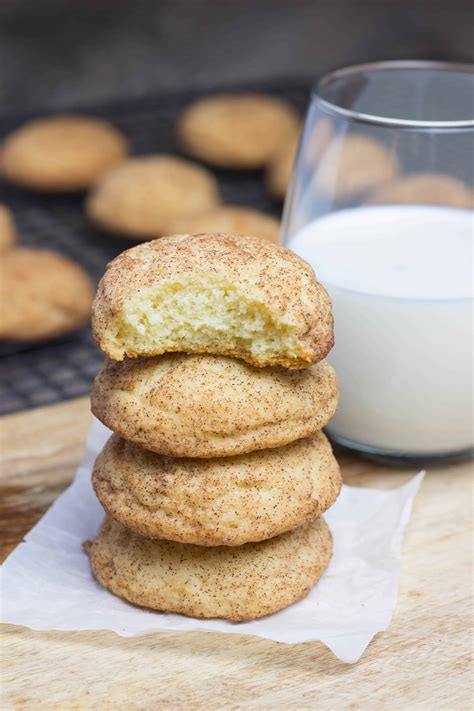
x,y
400,279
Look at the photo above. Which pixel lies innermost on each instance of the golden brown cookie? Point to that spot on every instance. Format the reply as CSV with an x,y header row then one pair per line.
x,y
7,228
42,295
213,293
424,189
354,165
61,153
237,130
222,501
236,583
211,406
320,135
280,169
231,220
142,196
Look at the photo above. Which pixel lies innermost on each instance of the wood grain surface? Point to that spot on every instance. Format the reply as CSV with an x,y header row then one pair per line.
x,y
424,660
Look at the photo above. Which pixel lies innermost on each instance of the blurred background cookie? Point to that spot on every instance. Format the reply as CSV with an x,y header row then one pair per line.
x,y
230,219
237,130
221,501
7,228
424,189
280,169
236,583
42,295
211,406
354,166
142,196
61,153
321,134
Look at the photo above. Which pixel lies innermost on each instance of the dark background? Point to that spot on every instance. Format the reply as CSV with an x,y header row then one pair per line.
x,y
66,52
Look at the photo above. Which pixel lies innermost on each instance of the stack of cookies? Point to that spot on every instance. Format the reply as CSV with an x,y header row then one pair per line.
x,y
216,389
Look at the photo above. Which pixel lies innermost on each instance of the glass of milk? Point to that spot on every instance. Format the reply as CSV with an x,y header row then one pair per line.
x,y
381,205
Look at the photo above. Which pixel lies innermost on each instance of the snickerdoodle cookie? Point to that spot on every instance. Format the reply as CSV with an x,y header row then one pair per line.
x,y
213,293
237,130
424,189
7,228
280,169
236,583
231,220
278,174
42,295
221,501
141,197
354,165
320,135
211,406
61,153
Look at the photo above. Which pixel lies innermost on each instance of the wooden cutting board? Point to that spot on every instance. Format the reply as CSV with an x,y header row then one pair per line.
x,y
422,662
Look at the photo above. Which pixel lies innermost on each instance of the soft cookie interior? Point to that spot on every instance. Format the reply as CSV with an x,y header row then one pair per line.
x,y
203,313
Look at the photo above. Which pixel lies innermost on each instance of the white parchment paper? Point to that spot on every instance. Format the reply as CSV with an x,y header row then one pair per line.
x,y
47,584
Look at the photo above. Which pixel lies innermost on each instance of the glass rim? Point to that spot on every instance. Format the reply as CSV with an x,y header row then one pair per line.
x,y
362,117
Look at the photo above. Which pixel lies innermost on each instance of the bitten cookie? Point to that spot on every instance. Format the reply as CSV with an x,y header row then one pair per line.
x,y
211,406
223,501
7,228
143,196
42,295
237,130
424,189
61,153
213,293
231,220
353,166
236,583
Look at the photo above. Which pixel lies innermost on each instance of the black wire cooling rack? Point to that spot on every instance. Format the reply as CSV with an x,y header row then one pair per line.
x,y
35,374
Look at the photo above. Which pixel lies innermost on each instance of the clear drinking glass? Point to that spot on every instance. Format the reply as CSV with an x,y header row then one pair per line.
x,y
381,205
